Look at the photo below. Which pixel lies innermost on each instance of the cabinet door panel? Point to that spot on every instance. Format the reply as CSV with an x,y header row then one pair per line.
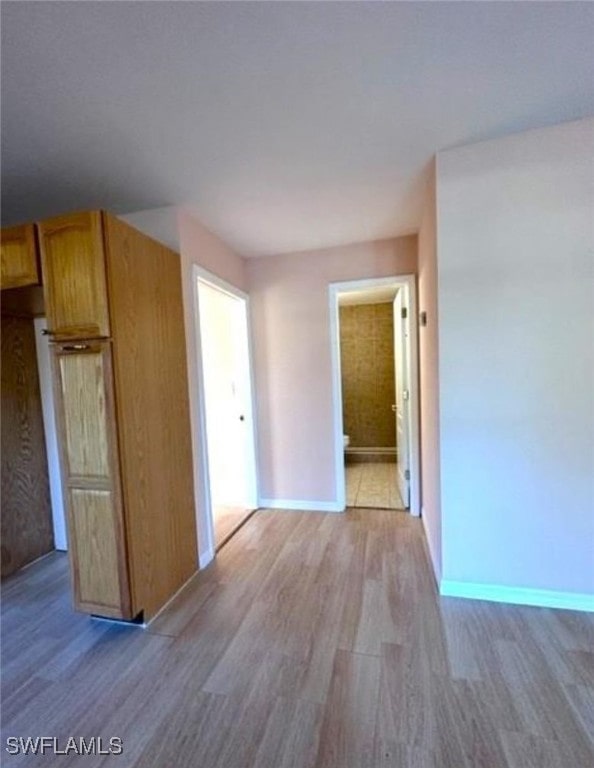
x,y
90,477
82,379
73,265
93,541
19,257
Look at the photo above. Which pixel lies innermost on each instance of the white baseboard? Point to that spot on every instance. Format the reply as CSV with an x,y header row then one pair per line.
x,y
206,557
432,555
542,598
304,506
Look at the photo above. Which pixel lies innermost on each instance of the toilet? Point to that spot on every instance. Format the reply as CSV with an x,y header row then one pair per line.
x,y
346,441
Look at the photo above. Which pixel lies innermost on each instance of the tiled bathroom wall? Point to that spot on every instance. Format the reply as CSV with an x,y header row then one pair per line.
x,y
368,385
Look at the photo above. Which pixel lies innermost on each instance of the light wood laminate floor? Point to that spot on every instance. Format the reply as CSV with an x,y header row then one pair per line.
x,y
314,641
226,520
372,485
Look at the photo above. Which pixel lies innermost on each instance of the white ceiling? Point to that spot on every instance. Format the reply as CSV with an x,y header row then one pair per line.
x,y
282,126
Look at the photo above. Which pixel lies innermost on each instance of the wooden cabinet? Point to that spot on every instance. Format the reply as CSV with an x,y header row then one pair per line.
x,y
19,257
153,412
74,281
114,306
26,520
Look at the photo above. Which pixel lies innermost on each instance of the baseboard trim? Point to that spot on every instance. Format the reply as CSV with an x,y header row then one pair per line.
x,y
303,506
371,449
541,598
206,557
431,555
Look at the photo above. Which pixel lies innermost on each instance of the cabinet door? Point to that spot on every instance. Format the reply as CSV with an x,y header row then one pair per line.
x,y
90,475
19,257
74,284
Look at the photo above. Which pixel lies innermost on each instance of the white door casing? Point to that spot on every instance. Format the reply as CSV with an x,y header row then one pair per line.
x,y
407,282
402,414
48,411
241,397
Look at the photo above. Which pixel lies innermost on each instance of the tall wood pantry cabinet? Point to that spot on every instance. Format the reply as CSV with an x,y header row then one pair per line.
x,y
113,302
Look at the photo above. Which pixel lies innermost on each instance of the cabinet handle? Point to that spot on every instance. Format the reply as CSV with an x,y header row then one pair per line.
x,y
47,332
75,347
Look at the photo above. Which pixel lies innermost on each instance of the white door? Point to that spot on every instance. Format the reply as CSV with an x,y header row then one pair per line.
x,y
227,398
401,367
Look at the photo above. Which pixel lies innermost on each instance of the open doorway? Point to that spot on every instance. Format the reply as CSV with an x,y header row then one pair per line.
x,y
375,377
33,517
229,452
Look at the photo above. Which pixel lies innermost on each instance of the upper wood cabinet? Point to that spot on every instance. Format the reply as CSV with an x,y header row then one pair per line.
x,y
74,282
19,257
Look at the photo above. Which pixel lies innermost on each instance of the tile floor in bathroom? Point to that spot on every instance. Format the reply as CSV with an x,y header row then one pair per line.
x,y
372,485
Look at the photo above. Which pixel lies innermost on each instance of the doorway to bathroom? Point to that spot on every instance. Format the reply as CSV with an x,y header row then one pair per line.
x,y
375,388
228,449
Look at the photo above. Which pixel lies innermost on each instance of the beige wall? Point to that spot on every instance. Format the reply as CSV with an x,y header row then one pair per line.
x,y
292,353
200,246
429,379
367,367
516,368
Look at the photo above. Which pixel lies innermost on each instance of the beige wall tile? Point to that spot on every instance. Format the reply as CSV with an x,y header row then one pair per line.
x,y
367,362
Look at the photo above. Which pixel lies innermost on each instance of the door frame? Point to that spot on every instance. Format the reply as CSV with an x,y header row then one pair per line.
x,y
48,412
334,290
205,516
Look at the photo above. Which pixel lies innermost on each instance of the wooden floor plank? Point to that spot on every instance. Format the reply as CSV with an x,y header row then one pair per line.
x,y
348,732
